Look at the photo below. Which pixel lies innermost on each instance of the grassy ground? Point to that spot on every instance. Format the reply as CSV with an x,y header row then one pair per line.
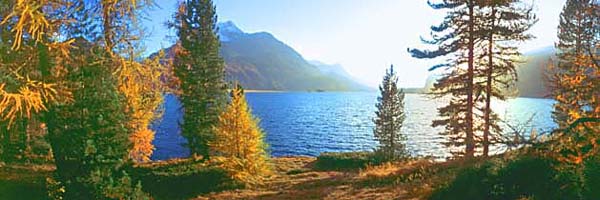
x,y
24,182
295,178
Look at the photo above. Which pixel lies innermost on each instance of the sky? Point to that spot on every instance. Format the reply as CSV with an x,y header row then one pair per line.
x,y
365,37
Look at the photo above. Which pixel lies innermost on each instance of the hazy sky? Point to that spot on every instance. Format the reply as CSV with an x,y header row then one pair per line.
x,y
363,36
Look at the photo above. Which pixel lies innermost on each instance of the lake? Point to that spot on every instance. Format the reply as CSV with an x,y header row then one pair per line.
x,y
304,123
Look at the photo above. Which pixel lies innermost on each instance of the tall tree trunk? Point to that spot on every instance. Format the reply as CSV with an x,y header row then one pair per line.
x,y
469,140
488,87
108,34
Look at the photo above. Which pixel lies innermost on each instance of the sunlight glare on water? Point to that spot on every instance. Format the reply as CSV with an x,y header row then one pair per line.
x,y
303,123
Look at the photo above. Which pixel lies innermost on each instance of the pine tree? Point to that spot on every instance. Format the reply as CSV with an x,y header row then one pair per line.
x,y
200,69
89,136
389,118
503,26
457,38
576,90
239,141
575,79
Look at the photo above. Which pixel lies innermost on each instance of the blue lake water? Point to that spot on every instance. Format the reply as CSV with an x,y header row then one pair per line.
x,y
303,123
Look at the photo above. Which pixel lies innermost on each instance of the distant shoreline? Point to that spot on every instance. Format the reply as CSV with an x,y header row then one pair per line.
x,y
307,91
406,90
264,91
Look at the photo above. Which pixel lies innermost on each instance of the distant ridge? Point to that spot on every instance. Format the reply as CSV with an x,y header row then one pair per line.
x,y
533,73
259,61
532,81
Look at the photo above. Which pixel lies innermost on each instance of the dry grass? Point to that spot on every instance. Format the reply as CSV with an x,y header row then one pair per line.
x,y
382,170
295,179
170,162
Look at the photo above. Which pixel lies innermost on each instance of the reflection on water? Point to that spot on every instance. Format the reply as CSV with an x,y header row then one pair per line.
x,y
310,123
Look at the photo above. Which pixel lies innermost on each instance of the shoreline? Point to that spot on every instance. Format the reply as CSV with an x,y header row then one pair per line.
x,y
300,91
326,91
264,91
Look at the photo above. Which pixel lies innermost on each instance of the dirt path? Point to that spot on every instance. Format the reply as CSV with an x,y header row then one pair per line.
x,y
295,179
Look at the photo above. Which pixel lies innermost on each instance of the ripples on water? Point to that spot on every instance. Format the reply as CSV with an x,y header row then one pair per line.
x,y
311,123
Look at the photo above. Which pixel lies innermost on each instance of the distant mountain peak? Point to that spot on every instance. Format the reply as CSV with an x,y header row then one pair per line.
x,y
260,61
229,31
333,70
229,27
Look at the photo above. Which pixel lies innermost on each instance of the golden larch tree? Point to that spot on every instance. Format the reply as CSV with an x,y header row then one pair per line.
x,y
28,82
142,87
139,82
32,62
239,142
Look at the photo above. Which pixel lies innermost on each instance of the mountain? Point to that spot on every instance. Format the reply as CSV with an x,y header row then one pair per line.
x,y
260,61
532,73
337,72
333,69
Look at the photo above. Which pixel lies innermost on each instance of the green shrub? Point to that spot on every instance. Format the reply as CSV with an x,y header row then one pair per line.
x,y
470,183
525,177
182,180
54,188
582,182
347,160
124,188
295,171
592,178
529,177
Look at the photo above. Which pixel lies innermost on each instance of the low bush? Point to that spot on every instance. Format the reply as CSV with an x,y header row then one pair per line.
x,y
295,171
592,174
470,183
347,160
528,177
183,179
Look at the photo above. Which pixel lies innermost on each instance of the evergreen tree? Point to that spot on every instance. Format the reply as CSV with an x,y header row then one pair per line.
x,y
575,81
389,118
89,136
504,25
576,90
239,141
456,38
200,70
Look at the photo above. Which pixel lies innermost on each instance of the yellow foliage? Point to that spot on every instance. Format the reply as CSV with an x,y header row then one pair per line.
x,y
577,143
382,170
577,89
142,145
140,83
142,87
29,18
30,98
238,143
